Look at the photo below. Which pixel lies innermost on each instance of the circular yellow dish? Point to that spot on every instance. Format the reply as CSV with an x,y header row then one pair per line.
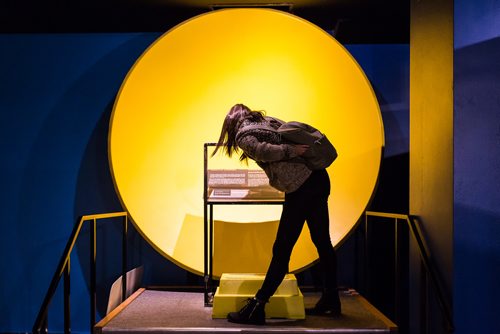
x,y
174,100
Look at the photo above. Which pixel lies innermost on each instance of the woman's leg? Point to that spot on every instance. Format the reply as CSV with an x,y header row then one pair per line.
x,y
291,223
289,229
319,227
320,235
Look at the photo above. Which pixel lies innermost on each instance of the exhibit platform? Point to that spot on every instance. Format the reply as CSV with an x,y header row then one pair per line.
x,y
155,311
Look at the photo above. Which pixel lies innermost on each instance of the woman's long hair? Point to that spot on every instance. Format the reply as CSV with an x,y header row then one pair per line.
x,y
236,115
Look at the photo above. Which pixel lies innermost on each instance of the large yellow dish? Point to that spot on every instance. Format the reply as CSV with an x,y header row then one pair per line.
x,y
174,100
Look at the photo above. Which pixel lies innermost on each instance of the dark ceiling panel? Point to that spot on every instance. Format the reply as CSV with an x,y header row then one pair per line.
x,y
355,21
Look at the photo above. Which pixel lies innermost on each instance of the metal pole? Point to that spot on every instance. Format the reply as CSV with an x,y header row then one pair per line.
x,y
211,249
40,325
67,307
205,253
93,251
367,262
423,299
205,226
124,258
396,271
45,325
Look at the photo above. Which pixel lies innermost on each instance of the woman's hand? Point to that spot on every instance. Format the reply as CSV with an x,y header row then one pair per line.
x,y
300,149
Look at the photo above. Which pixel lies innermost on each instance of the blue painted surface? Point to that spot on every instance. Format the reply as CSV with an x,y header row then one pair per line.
x,y
388,69
56,92
56,95
477,167
476,21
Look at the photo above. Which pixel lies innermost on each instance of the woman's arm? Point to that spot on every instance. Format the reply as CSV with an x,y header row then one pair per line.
x,y
266,152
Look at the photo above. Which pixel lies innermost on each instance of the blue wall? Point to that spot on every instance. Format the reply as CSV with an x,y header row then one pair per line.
x,y
476,21
477,167
56,95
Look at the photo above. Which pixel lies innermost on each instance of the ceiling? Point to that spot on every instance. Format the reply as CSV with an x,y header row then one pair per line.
x,y
352,21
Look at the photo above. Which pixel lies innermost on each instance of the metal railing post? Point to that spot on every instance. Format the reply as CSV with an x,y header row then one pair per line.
x,y
210,251
397,273
93,255
44,328
423,299
63,270
124,259
41,322
366,257
67,292
428,272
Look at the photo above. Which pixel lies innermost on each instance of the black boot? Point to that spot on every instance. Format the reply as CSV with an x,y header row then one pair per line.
x,y
252,313
328,305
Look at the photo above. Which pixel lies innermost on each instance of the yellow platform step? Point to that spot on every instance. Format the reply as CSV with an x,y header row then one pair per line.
x,y
249,284
235,289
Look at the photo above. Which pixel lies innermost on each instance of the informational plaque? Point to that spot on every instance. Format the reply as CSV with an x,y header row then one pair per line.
x,y
240,184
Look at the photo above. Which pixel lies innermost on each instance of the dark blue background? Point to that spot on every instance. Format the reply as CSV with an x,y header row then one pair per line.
x,y
56,96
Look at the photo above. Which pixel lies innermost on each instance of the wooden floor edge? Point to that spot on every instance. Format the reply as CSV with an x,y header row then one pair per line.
x,y
104,321
393,328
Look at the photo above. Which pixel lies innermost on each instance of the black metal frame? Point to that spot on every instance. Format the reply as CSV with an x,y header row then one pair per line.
x,y
208,229
416,233
64,267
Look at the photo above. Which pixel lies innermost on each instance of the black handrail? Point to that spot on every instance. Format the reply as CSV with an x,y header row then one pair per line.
x,y
63,270
429,267
417,234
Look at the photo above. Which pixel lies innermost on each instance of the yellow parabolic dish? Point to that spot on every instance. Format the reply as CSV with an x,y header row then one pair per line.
x,y
174,100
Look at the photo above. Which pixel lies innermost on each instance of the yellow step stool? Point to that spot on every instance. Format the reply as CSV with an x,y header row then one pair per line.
x,y
235,289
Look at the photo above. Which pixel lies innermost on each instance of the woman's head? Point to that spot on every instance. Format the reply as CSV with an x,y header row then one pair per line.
x,y
236,115
238,111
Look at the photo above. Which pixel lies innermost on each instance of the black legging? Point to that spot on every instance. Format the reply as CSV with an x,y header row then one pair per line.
x,y
308,203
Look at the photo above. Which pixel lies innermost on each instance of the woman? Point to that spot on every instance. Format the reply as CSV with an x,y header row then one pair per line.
x,y
306,199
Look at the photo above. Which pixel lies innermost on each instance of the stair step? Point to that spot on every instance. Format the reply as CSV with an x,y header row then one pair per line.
x,y
235,289
289,307
249,284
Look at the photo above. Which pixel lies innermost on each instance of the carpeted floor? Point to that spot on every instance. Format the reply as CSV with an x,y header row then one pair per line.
x,y
156,311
